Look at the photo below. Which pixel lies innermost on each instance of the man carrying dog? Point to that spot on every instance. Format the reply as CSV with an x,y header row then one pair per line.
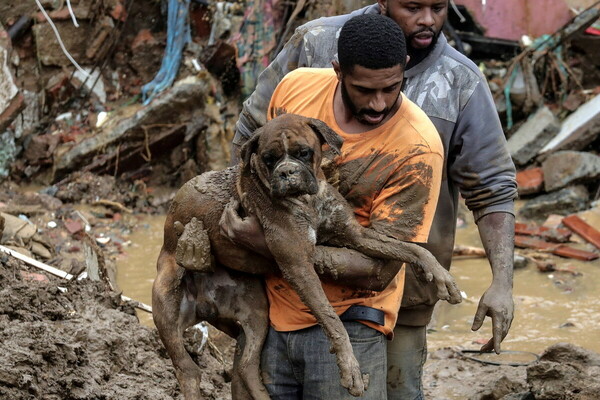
x,y
454,94
389,171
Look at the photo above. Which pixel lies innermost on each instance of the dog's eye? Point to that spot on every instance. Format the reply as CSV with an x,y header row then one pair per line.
x,y
304,154
269,159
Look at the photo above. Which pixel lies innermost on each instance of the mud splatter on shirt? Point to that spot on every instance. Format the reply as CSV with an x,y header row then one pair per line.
x,y
390,175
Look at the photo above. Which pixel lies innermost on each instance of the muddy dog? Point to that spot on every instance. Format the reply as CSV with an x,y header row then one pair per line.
x,y
280,181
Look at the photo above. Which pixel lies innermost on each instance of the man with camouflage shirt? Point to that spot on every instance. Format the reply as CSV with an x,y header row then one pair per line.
x,y
454,94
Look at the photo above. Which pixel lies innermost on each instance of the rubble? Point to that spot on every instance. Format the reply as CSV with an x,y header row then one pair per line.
x,y
565,168
578,129
583,229
565,371
532,136
564,202
530,181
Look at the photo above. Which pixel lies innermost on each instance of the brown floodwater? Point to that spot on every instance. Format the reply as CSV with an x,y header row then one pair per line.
x,y
549,307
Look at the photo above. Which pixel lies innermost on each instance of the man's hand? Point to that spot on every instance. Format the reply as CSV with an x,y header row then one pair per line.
x,y
497,231
497,303
245,232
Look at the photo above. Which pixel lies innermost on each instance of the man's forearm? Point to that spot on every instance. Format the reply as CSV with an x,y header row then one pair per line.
x,y
497,232
354,269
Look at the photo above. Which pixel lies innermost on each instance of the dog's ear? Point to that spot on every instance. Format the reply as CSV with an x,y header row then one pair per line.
x,y
249,148
326,134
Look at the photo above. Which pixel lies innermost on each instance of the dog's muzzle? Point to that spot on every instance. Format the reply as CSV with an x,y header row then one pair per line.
x,y
293,178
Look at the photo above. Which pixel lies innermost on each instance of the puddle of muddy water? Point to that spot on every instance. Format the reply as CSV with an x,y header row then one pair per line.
x,y
136,267
549,308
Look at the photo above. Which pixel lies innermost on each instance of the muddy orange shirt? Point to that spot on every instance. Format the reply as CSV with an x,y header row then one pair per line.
x,y
390,175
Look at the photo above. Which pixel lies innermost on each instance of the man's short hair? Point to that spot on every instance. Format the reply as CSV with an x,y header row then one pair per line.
x,y
372,41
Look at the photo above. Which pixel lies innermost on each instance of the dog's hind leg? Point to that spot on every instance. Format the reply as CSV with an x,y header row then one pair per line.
x,y
173,313
255,324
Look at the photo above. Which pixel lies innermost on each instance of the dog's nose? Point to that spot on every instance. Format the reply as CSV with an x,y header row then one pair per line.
x,y
287,171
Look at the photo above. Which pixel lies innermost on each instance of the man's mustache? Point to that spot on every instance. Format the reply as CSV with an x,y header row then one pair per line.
x,y
430,30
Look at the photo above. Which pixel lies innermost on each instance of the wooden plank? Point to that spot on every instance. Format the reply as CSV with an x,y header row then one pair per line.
x,y
557,249
551,234
583,229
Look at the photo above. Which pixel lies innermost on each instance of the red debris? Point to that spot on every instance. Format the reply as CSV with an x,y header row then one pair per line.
x,y
551,234
583,229
118,12
73,226
530,181
556,249
31,276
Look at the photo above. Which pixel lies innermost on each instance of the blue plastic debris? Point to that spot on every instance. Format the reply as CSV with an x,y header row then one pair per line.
x,y
178,35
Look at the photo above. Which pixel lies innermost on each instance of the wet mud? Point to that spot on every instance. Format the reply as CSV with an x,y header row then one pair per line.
x,y
77,340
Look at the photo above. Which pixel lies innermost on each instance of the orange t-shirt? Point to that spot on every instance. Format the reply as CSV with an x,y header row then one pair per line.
x,y
390,175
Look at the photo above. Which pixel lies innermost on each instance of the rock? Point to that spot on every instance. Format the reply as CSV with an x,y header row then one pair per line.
x,y
17,229
565,371
500,388
40,250
568,167
533,135
530,181
578,129
520,262
569,353
40,149
519,396
75,40
563,202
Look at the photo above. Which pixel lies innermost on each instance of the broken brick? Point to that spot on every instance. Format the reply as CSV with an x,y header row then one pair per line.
x,y
556,249
583,229
530,181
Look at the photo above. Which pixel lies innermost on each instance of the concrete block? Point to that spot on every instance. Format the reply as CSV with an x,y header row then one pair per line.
x,y
568,167
535,133
564,202
578,130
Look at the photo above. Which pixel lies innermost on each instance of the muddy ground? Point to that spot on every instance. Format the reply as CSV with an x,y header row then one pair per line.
x,y
78,340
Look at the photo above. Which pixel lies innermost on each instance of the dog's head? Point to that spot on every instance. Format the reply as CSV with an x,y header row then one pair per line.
x,y
286,154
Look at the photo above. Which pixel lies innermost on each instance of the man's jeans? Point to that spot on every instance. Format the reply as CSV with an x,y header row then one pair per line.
x,y
298,365
406,354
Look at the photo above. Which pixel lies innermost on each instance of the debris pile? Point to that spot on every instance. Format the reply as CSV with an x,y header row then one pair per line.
x,y
78,340
548,98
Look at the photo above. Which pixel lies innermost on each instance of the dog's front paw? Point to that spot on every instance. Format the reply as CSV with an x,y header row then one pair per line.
x,y
193,247
350,376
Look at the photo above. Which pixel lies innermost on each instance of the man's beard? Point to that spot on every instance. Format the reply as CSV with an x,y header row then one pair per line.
x,y
418,55
359,114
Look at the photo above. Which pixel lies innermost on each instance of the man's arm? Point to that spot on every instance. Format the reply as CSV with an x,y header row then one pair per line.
x,y
352,267
485,173
497,234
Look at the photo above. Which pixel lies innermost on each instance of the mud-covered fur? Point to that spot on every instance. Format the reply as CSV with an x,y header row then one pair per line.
x,y
280,181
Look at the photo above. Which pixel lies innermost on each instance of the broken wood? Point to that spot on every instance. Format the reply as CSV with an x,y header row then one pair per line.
x,y
556,235
583,229
460,250
113,205
556,249
36,263
63,274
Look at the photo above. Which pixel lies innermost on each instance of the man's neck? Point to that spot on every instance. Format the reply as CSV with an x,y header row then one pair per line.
x,y
346,120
